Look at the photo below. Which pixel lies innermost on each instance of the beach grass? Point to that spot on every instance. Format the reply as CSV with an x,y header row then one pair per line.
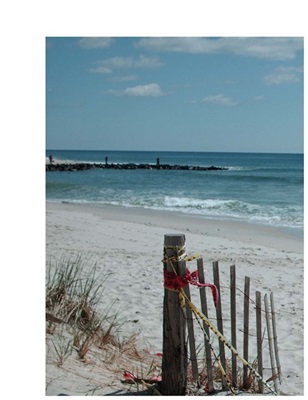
x,y
73,294
77,329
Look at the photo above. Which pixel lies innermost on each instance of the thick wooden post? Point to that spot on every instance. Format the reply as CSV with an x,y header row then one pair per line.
x,y
174,363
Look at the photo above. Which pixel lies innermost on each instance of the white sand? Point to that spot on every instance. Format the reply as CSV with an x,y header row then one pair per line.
x,y
128,243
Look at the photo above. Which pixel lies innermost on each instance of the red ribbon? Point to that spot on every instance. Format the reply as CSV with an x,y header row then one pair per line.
x,y
175,282
129,377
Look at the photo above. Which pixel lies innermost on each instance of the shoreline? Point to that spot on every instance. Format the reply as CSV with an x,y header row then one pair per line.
x,y
126,245
219,227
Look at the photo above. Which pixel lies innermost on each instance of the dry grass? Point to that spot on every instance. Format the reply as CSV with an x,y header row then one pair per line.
x,y
201,386
75,328
72,296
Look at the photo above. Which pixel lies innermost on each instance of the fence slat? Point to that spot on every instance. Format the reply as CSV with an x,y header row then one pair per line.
x,y
219,319
206,328
270,340
246,331
259,338
174,362
191,337
275,336
233,321
177,318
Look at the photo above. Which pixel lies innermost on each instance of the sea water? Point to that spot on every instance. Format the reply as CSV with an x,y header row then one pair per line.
x,y
258,188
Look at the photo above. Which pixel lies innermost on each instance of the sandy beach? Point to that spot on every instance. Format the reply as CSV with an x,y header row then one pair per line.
x,y
127,246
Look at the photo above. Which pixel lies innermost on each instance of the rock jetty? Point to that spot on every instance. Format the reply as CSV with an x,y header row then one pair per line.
x,y
86,166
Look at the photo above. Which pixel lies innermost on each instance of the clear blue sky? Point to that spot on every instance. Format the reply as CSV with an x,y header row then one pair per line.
x,y
182,94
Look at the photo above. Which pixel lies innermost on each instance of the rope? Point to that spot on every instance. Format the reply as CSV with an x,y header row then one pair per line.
x,y
224,340
174,282
228,382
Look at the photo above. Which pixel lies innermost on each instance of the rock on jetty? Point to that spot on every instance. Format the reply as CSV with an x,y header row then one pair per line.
x,y
85,166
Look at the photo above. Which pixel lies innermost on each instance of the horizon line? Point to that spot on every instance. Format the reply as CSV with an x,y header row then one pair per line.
x,y
178,151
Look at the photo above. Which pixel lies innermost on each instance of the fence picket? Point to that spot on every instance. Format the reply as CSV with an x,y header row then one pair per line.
x,y
233,321
270,340
219,318
275,336
191,337
246,331
259,338
179,321
206,328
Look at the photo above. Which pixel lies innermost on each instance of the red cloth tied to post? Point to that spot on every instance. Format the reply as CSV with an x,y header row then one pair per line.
x,y
130,378
176,282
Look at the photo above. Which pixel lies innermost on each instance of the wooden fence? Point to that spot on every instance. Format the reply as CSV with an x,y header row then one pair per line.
x,y
224,361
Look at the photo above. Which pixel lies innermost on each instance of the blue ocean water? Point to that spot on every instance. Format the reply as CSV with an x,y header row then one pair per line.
x,y
258,188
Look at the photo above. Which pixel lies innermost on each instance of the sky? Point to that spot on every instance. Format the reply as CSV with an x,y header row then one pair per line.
x,y
175,93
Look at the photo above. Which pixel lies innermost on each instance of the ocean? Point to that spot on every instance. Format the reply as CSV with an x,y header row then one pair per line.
x,y
259,188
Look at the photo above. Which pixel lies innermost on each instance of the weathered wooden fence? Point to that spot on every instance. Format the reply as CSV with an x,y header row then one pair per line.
x,y
228,364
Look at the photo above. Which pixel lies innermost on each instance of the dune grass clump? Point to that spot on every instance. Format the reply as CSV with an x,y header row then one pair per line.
x,y
73,294
80,326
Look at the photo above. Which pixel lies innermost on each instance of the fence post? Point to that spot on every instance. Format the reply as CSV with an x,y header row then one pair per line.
x,y
206,328
259,338
233,321
270,341
246,330
275,336
219,320
191,337
174,362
